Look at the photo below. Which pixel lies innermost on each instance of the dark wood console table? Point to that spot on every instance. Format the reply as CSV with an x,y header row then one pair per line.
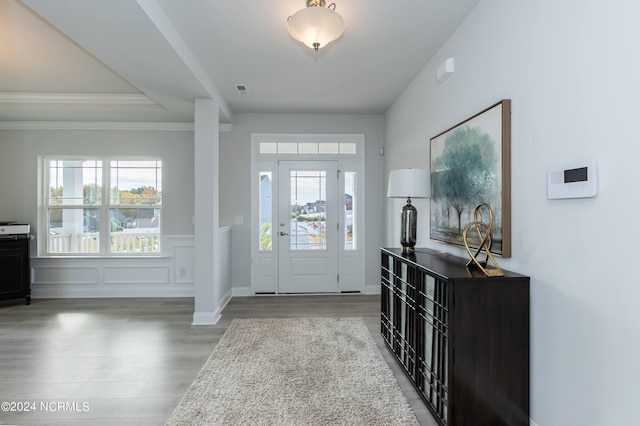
x,y
462,338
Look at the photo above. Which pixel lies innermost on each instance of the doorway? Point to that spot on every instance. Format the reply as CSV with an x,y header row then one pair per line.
x,y
307,225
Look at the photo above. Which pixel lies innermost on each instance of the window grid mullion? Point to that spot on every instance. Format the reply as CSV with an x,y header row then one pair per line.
x,y
104,208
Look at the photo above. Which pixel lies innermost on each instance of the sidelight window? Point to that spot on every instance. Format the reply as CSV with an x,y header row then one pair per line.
x,y
350,210
265,210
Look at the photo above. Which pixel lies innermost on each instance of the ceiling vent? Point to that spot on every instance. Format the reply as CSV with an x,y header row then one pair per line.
x,y
242,89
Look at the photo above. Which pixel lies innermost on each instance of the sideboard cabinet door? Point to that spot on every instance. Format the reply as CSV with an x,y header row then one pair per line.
x,y
461,338
15,270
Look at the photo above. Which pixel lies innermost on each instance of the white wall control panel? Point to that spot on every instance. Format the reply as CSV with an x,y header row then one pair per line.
x,y
575,180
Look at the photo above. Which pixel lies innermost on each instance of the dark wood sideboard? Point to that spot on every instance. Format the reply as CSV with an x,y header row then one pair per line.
x,y
461,338
15,269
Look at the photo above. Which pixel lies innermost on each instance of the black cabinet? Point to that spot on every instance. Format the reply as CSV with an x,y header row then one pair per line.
x,y
15,269
462,338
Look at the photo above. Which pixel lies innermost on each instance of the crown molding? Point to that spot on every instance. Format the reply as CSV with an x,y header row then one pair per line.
x,y
77,98
65,125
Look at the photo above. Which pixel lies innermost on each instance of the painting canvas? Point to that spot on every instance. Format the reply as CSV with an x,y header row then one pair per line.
x,y
470,164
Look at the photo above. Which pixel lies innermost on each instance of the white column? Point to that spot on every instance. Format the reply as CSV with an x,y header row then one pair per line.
x,y
207,208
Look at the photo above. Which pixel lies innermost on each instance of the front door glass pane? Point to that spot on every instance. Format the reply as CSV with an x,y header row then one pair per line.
x,y
308,210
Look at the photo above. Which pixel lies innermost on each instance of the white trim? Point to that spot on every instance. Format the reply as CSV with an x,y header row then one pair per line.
x,y
269,161
70,291
103,207
170,33
99,257
65,277
182,237
72,125
206,318
78,98
242,292
115,125
356,138
225,299
207,254
372,289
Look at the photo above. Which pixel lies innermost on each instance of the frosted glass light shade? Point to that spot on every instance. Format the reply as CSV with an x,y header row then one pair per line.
x,y
405,183
316,26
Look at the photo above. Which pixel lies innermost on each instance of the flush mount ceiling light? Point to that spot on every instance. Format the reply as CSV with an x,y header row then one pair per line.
x,y
316,25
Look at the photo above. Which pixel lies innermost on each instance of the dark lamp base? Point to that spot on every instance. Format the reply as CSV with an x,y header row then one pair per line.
x,y
408,227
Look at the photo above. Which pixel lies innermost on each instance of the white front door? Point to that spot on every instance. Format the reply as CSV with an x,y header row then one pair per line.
x,y
307,227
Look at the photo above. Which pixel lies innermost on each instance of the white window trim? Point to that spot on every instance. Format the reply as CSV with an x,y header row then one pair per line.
x,y
346,162
104,207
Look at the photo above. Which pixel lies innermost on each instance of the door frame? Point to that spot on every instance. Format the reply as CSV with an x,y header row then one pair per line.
x,y
264,263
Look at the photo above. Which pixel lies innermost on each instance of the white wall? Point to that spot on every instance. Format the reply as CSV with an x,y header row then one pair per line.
x,y
572,71
235,167
19,151
168,276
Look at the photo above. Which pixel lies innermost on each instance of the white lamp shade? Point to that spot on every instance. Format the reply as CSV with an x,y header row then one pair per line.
x,y
316,24
405,183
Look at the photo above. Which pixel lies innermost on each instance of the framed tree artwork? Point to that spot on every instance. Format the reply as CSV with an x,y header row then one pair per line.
x,y
471,164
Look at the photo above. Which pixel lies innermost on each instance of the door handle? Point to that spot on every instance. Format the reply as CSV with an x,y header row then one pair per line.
x,y
282,234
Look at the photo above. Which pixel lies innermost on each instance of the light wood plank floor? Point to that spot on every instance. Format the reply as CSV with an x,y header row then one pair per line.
x,y
130,361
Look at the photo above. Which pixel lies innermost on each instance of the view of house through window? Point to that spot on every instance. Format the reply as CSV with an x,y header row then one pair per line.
x,y
266,202
307,215
349,211
82,218
308,209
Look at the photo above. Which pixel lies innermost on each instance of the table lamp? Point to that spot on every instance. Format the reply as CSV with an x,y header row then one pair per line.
x,y
409,183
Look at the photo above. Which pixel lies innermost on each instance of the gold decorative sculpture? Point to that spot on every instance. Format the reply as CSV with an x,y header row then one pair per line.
x,y
483,231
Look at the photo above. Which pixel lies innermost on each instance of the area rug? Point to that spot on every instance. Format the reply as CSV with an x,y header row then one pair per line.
x,y
295,371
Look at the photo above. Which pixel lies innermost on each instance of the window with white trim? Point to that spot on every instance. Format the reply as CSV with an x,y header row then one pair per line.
x,y
308,148
265,190
101,206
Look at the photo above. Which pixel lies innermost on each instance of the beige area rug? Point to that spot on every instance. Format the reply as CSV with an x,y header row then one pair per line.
x,y
295,371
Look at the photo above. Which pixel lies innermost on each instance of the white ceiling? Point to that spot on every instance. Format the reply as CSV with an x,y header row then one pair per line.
x,y
147,60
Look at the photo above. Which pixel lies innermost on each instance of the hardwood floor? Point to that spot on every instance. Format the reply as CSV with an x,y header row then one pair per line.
x,y
130,361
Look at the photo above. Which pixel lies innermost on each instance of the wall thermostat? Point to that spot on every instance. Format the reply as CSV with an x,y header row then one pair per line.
x,y
576,180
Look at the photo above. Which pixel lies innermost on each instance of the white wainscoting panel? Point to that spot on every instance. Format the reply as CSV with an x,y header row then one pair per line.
x,y
351,272
183,271
224,291
136,274
168,275
56,274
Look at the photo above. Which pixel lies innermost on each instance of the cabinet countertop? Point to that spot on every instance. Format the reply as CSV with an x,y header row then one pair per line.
x,y
444,264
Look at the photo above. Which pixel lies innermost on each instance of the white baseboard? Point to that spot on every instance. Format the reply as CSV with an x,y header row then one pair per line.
x,y
241,292
206,318
372,289
225,300
247,291
59,291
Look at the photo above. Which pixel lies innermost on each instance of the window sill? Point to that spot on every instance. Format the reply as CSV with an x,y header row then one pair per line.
x,y
98,257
